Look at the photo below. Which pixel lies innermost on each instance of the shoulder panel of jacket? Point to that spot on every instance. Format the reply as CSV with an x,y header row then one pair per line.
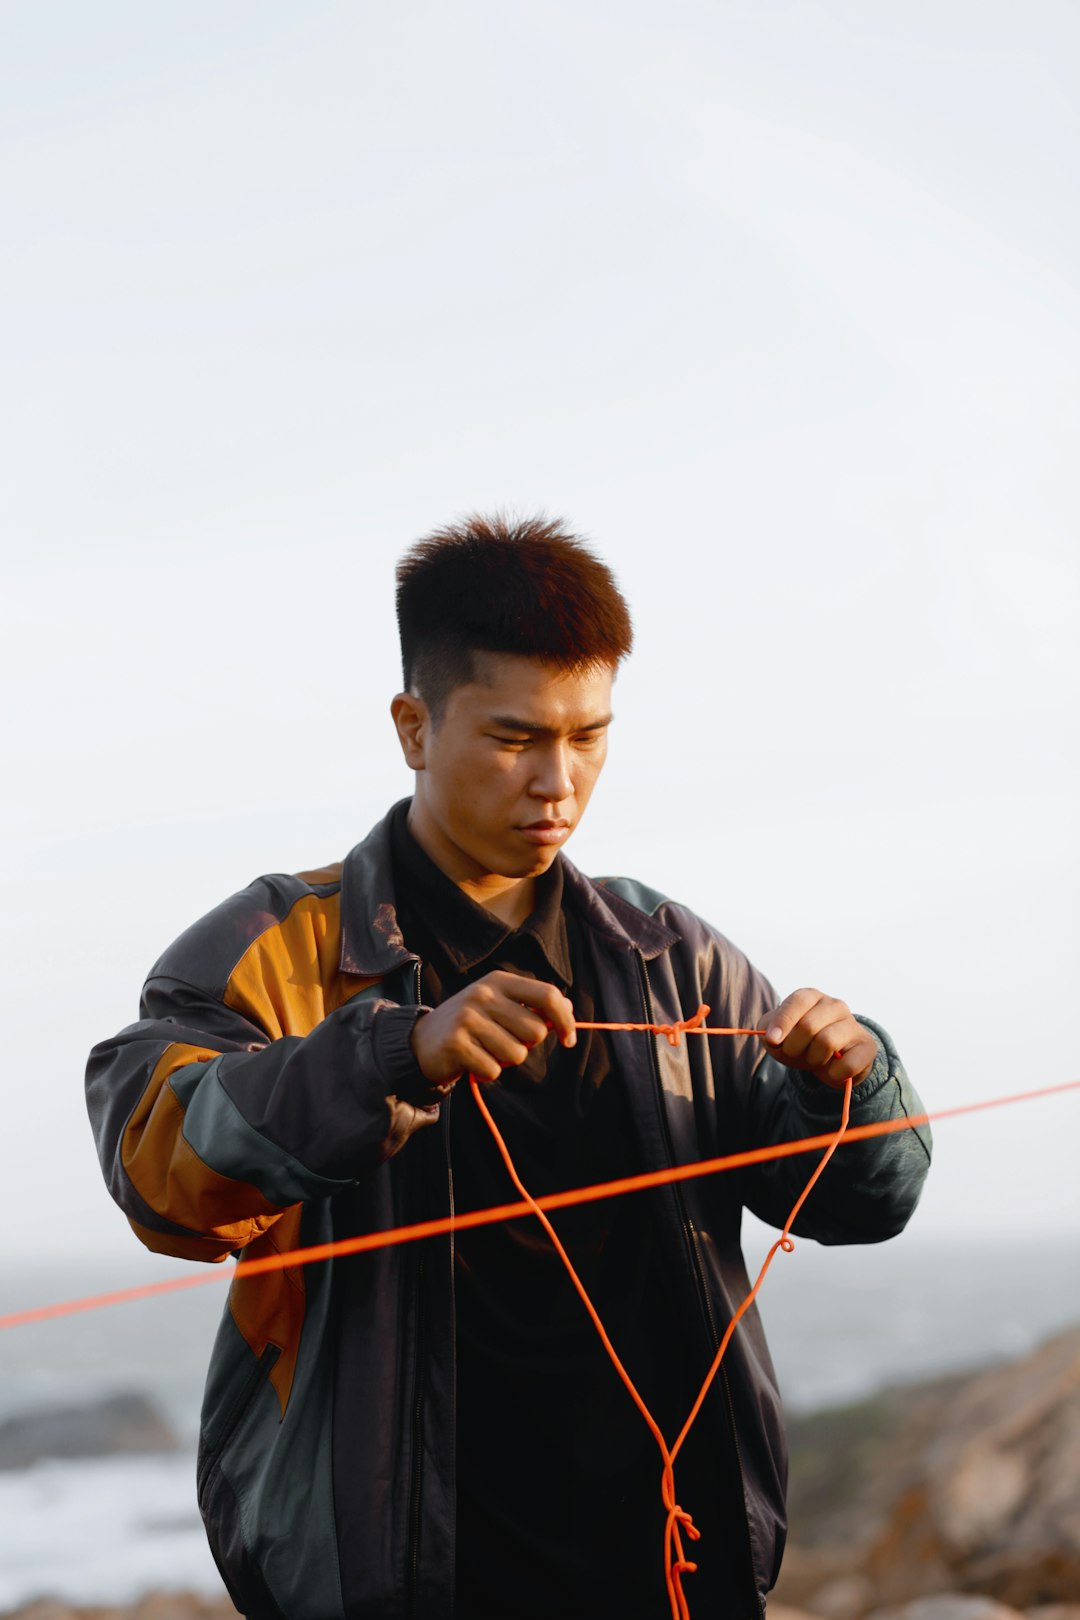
x,y
635,893
209,952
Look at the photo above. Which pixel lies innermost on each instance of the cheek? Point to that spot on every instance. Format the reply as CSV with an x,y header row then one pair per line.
x,y
586,774
484,780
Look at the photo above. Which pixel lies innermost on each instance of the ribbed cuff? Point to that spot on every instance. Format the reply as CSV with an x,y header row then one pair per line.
x,y
391,1040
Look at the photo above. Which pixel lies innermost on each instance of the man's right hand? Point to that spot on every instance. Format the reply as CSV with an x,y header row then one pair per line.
x,y
490,1026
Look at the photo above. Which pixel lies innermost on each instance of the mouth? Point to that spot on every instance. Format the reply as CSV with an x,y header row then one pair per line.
x,y
543,833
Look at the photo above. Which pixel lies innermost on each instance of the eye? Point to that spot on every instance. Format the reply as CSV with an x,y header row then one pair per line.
x,y
511,742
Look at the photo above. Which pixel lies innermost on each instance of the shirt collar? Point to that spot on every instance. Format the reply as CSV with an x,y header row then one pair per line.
x,y
371,942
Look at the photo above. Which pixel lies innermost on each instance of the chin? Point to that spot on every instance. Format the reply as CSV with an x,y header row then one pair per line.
x,y
529,865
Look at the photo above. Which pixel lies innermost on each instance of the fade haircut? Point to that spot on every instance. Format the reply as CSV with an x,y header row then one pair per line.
x,y
504,585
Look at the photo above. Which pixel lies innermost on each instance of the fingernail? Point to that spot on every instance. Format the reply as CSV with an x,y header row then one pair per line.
x,y
776,1033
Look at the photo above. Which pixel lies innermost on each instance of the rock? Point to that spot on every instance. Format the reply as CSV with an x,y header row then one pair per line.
x,y
45,1609
50,1609
845,1597
119,1423
980,1493
1005,1463
908,1559
183,1606
805,1571
964,1485
850,1464
1024,1577
153,1606
947,1606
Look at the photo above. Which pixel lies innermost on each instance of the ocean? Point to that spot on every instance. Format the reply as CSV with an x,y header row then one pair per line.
x,y
841,1323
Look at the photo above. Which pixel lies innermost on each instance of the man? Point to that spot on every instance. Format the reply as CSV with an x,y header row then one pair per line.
x,y
434,1429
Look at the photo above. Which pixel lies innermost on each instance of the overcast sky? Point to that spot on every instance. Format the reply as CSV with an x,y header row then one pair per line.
x,y
775,302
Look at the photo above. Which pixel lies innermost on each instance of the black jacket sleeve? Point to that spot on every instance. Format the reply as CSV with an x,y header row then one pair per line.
x,y
209,1124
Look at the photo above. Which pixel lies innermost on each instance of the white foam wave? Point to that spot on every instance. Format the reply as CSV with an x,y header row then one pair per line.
x,y
102,1531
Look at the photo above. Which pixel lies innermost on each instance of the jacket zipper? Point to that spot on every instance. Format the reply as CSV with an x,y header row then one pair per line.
x,y
692,1242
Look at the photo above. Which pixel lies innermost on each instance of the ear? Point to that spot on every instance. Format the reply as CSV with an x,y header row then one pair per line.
x,y
413,721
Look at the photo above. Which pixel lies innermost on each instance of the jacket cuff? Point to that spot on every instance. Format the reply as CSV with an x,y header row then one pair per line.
x,y
826,1102
391,1040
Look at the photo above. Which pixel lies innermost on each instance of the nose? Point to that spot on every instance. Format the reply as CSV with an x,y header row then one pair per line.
x,y
553,782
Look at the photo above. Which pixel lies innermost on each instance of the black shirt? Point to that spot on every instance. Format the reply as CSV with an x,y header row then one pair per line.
x,y
558,1478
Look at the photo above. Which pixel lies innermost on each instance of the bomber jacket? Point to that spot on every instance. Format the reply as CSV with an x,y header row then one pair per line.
x,y
268,1099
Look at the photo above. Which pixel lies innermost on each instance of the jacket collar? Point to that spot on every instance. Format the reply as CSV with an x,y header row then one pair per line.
x,y
371,940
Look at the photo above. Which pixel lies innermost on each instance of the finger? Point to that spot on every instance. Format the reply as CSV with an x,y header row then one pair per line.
x,y
829,1044
853,1063
509,998
523,1023
476,1060
779,1024
499,1044
547,999
487,1050
823,1041
559,1013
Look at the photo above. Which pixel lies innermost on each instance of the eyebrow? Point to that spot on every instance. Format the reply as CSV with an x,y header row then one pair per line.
x,y
508,722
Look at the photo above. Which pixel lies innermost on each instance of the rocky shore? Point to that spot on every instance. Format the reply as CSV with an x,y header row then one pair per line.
x,y
954,1499
154,1606
189,1606
968,1485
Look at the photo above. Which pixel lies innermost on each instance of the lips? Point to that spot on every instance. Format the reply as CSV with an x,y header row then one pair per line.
x,y
545,832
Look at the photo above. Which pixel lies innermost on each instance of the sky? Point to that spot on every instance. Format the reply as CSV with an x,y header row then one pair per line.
x,y
774,304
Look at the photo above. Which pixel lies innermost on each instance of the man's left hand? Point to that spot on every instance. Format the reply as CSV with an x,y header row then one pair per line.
x,y
818,1034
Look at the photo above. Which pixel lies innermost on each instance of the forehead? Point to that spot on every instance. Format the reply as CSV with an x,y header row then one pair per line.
x,y
524,689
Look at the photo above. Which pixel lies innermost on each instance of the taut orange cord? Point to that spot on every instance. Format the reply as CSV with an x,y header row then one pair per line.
x,y
678,1519
509,1212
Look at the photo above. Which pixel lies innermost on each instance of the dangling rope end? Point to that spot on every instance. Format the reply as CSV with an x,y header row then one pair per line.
x,y
679,1605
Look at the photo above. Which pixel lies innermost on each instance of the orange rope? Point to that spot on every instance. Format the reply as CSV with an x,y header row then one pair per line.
x,y
682,1026
439,1227
676,1563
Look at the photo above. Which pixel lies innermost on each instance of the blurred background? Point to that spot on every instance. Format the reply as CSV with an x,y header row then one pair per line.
x,y
776,304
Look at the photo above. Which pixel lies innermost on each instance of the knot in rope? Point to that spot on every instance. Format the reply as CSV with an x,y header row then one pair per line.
x,y
676,1563
680,1519
674,1032
676,1514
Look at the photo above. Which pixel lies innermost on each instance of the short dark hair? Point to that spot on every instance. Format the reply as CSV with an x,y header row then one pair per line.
x,y
504,585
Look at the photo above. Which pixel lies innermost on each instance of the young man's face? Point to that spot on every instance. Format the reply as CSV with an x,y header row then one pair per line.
x,y
503,778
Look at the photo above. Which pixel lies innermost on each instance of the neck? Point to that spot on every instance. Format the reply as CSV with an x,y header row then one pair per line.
x,y
510,899
511,904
